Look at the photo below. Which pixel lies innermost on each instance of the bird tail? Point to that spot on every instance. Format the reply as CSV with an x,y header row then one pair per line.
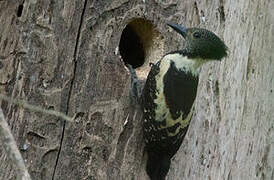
x,y
157,166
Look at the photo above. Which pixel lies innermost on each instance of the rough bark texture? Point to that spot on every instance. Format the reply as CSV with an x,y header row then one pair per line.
x,y
64,55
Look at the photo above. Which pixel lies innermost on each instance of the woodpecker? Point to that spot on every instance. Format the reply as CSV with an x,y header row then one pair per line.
x,y
169,93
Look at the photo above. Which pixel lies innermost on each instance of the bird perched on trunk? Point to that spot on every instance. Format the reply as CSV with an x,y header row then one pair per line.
x,y
169,94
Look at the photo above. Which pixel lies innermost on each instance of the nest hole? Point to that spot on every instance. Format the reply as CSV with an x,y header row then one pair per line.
x,y
131,48
140,43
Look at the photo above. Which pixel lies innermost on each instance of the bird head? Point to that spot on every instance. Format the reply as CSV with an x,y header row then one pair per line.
x,y
201,43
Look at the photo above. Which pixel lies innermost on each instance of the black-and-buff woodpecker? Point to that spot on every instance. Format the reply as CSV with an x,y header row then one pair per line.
x,y
169,93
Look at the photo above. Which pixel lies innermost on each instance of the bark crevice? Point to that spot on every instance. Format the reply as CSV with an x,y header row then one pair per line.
x,y
71,85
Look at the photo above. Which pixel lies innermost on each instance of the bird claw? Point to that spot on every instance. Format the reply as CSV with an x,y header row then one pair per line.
x,y
135,92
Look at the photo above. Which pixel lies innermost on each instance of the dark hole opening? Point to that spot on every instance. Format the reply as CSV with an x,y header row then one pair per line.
x,y
131,48
20,10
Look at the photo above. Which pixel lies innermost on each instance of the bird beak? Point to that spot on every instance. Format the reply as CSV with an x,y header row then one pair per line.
x,y
179,29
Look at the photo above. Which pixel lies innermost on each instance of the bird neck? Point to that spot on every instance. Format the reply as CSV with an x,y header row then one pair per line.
x,y
184,63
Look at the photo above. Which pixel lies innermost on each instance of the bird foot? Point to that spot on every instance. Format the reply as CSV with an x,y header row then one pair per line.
x,y
135,92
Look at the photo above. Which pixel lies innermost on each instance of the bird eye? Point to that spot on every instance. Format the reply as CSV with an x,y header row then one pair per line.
x,y
196,35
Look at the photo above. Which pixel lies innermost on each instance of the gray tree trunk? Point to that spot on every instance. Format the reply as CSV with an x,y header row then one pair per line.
x,y
64,55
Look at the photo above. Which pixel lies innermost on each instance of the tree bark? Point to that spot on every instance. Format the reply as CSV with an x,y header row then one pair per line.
x,y
64,55
11,150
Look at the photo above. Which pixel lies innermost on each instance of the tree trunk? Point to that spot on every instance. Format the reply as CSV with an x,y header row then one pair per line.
x,y
68,56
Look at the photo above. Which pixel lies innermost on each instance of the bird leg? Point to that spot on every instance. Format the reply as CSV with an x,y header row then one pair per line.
x,y
135,92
